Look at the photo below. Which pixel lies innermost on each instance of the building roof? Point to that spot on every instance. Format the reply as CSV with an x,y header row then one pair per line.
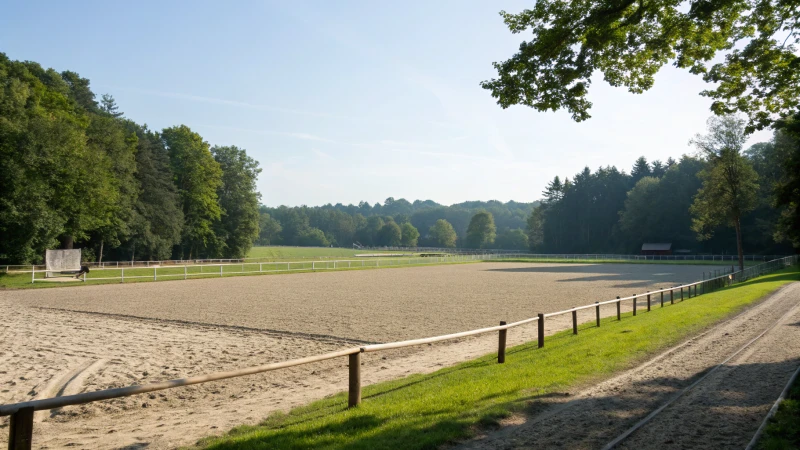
x,y
656,247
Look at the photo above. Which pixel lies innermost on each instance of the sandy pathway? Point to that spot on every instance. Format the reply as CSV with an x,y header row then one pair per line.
x,y
724,411
70,340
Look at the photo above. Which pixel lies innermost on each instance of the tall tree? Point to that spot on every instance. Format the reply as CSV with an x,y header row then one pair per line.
x,y
515,239
238,198
157,216
629,41
729,181
443,234
390,234
787,189
481,231
269,230
410,235
640,170
197,176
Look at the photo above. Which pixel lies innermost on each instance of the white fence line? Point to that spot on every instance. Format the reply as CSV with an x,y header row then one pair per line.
x,y
460,252
207,270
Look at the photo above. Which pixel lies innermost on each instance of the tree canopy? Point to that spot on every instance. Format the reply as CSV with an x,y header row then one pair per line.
x,y
75,173
757,73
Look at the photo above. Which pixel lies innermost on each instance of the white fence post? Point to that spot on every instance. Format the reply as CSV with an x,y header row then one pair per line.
x,y
155,269
33,273
185,272
122,278
220,270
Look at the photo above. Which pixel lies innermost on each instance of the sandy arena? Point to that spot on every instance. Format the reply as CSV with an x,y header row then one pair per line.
x,y
62,341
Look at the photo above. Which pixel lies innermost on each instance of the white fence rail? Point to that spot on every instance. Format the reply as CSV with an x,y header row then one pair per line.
x,y
8,268
252,268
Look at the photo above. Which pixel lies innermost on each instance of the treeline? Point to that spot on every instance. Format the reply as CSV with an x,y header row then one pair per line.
x,y
75,173
396,223
681,202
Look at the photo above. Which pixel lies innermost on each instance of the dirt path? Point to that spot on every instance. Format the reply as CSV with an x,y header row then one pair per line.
x,y
723,411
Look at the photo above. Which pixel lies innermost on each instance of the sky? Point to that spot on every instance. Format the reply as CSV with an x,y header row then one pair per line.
x,y
346,101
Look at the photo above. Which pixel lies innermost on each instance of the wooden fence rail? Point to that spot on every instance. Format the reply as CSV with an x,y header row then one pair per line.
x,y
21,426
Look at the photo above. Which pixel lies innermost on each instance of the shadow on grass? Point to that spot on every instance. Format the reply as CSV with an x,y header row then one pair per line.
x,y
582,422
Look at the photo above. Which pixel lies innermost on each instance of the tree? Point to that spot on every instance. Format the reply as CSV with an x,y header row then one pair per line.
x,y
197,176
787,189
443,234
269,230
481,230
640,170
312,237
630,41
658,169
390,235
638,219
238,199
515,239
157,217
535,228
729,181
410,235
109,106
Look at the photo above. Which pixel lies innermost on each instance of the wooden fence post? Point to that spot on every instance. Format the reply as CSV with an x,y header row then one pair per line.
x,y
681,293
501,345
671,296
597,313
662,299
574,322
541,330
20,434
648,302
354,393
619,309
634,304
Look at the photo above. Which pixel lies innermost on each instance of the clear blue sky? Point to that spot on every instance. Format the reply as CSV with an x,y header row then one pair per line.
x,y
348,101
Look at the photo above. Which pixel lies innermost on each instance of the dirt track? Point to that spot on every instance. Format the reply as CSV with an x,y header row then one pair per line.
x,y
116,335
723,411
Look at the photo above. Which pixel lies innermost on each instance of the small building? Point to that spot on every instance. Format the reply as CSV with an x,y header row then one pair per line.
x,y
657,249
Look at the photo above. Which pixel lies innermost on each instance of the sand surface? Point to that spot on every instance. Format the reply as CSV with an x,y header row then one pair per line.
x,y
723,411
68,340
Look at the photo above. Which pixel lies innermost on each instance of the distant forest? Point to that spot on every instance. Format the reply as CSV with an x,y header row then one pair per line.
x,y
75,173
342,225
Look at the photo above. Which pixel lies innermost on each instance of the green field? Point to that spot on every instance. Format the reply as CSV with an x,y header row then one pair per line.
x,y
690,262
430,411
293,253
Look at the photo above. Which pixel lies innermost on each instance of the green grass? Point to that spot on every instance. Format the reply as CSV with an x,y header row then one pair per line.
x,y
783,430
428,411
291,253
735,264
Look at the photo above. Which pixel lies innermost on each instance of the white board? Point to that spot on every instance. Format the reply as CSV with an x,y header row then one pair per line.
x,y
57,261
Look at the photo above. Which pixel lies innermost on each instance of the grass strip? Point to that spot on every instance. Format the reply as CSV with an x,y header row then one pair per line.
x,y
689,262
427,411
783,430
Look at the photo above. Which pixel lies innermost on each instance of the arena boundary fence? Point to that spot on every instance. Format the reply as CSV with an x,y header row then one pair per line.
x,y
253,268
248,266
8,268
21,425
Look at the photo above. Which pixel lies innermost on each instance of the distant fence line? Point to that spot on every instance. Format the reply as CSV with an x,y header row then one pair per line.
x,y
21,426
561,256
250,268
